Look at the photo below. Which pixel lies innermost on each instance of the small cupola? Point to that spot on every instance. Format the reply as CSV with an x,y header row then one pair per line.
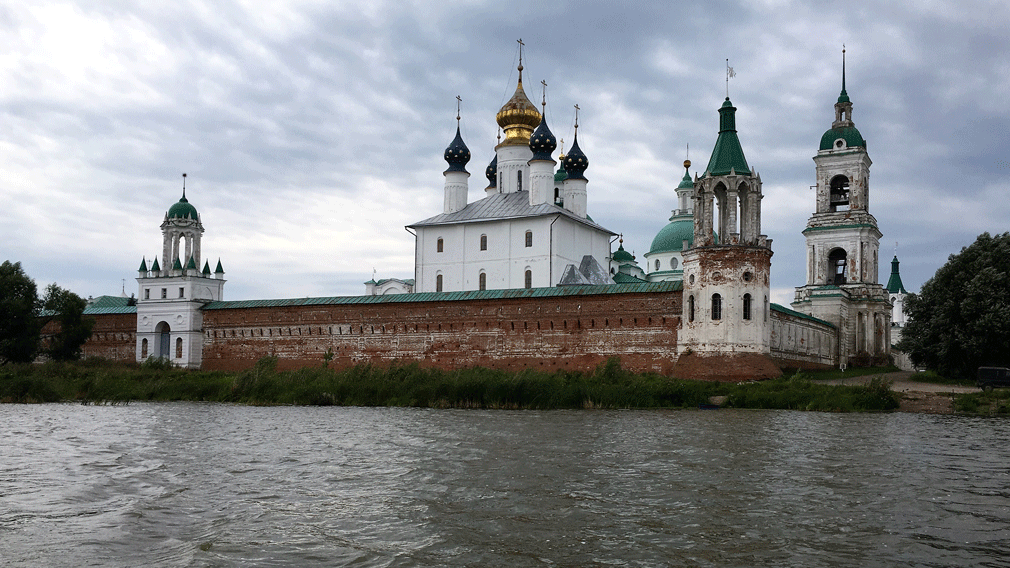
x,y
457,154
543,143
491,172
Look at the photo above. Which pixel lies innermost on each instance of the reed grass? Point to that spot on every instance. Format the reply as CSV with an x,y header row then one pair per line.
x,y
608,386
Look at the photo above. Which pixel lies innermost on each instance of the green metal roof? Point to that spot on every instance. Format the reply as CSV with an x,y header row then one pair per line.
x,y
686,183
191,264
561,174
176,265
561,291
794,313
155,266
622,278
622,255
206,267
672,236
143,265
110,305
852,137
219,270
183,210
894,284
727,156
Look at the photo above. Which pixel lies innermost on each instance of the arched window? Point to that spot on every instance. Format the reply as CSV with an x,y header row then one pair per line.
x,y
690,308
837,267
519,179
438,283
674,263
657,264
529,239
746,306
716,307
839,193
439,245
529,279
178,348
483,281
143,349
483,243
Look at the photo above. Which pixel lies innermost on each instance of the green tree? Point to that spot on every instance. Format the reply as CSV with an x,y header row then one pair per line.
x,y
67,309
19,311
960,320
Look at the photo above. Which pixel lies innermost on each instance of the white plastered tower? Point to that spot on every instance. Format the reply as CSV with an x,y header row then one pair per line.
x,y
169,316
842,245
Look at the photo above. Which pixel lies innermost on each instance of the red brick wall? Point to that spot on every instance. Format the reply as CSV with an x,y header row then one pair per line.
x,y
571,332
114,336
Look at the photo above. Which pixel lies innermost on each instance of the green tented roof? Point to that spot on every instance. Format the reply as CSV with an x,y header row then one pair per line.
x,y
191,265
894,285
561,291
727,156
176,265
143,265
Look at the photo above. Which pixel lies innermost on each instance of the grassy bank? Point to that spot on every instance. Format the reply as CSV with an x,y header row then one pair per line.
x,y
609,386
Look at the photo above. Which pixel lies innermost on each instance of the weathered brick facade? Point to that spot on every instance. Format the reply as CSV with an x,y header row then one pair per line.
x,y
564,332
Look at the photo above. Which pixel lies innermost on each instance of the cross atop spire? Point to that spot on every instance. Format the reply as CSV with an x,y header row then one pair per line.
x,y
576,119
184,186
543,103
459,101
521,44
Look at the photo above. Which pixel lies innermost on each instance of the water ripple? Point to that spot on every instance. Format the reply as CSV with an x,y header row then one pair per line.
x,y
218,485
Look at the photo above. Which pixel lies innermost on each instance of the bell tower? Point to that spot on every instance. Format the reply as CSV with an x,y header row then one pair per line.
x,y
843,241
173,293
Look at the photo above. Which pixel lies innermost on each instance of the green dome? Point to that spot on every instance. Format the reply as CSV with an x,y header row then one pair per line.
x,y
622,255
686,183
561,174
672,237
183,210
852,137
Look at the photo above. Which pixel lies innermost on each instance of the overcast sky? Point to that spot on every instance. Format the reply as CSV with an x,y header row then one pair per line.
x,y
313,132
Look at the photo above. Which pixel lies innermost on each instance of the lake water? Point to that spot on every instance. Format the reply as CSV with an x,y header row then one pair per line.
x,y
186,484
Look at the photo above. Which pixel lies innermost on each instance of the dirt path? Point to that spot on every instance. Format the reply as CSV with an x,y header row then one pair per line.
x,y
916,397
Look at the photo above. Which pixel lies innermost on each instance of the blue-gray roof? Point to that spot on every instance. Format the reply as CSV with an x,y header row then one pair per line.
x,y
500,206
650,287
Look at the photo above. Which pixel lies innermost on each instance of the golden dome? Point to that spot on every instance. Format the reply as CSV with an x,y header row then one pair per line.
x,y
518,117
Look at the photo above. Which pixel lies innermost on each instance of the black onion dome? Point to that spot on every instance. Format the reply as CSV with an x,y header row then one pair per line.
x,y
543,143
576,162
457,154
492,172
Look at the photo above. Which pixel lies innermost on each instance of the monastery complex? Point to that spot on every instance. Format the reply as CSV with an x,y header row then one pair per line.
x,y
520,276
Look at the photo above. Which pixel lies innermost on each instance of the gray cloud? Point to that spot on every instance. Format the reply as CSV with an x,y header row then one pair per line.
x,y
313,132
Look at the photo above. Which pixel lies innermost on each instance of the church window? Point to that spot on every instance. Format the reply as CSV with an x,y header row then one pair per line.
x,y
439,245
674,263
690,308
143,349
837,267
483,281
178,348
529,239
839,193
716,307
438,283
519,179
147,293
483,242
164,293
529,279
746,306
182,292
